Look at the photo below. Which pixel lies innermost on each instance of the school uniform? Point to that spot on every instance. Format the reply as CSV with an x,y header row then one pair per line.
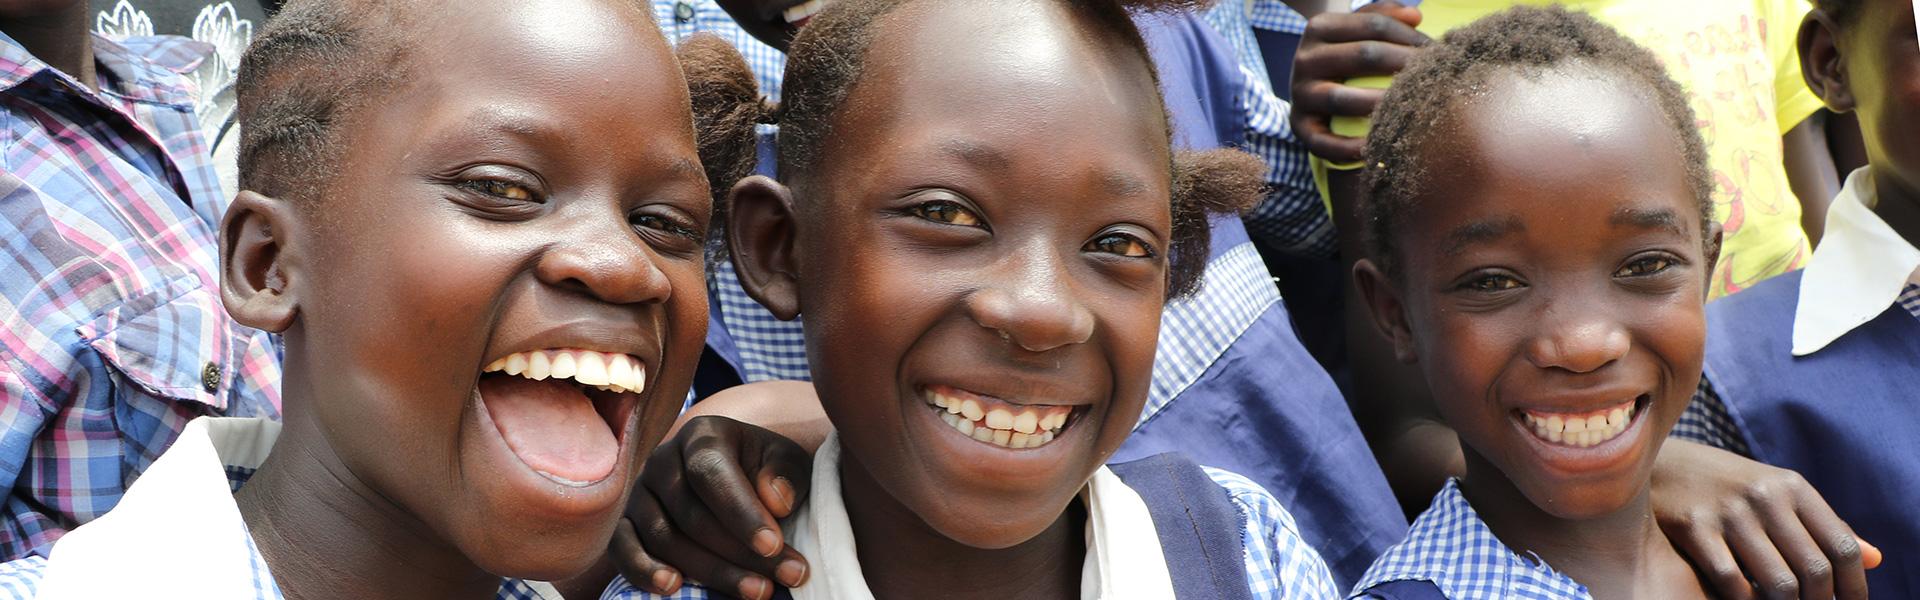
x,y
1229,363
1450,554
177,533
1157,528
1815,371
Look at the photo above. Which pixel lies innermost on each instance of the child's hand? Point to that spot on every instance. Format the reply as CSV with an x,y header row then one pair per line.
x,y
706,507
1375,40
1756,531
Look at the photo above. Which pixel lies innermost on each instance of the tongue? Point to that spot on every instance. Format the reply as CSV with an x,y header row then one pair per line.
x,y
551,426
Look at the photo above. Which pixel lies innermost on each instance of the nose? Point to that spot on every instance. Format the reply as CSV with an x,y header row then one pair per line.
x,y
1031,302
603,258
1580,341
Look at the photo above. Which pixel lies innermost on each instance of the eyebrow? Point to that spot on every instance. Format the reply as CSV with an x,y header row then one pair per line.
x,y
1658,218
1115,183
518,124
1483,230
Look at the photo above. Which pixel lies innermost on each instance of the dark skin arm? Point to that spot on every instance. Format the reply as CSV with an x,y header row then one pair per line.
x,y
1719,508
706,505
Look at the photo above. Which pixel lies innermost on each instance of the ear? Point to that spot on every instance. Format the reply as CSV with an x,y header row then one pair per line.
x,y
255,283
760,236
1821,62
1389,313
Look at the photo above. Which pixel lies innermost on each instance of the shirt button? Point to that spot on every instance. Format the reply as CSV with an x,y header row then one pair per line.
x,y
210,377
683,11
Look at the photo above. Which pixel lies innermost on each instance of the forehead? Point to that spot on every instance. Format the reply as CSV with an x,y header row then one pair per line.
x,y
1003,68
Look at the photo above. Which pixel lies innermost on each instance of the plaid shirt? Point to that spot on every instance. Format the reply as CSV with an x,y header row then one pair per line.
x,y
1450,546
1292,217
1280,565
112,334
241,457
1707,421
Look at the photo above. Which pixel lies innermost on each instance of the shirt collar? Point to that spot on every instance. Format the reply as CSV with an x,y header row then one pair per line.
x,y
1856,273
182,506
1452,547
1123,550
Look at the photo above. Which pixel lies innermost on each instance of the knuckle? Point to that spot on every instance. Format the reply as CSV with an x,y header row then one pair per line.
x,y
1782,585
1846,548
655,533
1377,25
706,463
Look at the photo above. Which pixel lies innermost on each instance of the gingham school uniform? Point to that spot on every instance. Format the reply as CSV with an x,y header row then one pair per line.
x,y
182,508
1228,361
1815,371
1451,547
112,335
1124,552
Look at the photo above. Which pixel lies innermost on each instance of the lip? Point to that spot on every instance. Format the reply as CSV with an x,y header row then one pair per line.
x,y
1613,453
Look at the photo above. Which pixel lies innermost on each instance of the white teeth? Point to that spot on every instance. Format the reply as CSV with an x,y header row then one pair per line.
x,y
1000,419
983,434
804,10
971,410
599,370
1000,426
1026,423
965,426
1018,440
1582,431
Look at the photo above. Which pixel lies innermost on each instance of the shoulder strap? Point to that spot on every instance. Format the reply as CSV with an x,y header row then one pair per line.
x,y
1198,524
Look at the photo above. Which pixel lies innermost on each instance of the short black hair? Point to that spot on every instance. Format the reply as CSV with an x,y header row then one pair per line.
x,y
828,56
1525,39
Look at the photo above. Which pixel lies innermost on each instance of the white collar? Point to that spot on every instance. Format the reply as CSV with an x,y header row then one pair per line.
x,y
176,529
1123,550
1857,272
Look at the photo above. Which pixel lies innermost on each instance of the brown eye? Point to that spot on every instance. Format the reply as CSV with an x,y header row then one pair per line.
x,y
945,212
1493,283
1123,245
1644,266
500,189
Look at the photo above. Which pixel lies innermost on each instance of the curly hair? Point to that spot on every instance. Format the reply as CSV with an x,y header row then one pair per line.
x,y
1529,40
828,56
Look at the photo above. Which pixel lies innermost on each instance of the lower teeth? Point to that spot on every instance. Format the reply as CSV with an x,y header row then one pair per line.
x,y
1005,438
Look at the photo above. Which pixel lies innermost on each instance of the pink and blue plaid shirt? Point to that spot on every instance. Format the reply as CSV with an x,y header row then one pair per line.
x,y
112,334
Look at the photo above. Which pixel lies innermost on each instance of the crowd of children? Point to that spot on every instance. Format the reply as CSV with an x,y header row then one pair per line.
x,y
1472,299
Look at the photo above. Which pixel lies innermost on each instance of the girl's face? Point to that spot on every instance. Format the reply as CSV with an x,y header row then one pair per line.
x,y
1553,283
982,263
531,192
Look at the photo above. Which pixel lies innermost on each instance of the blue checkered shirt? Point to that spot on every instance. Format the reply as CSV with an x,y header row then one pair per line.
x,y
1291,218
1280,565
112,335
1707,421
1450,546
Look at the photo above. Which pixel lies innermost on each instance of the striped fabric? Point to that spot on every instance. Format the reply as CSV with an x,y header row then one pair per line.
x,y
112,334
1450,546
1707,421
1292,217
1280,565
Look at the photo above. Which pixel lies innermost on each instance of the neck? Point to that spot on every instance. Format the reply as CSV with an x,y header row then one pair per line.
x,y
903,557
1618,555
1897,205
325,534
61,40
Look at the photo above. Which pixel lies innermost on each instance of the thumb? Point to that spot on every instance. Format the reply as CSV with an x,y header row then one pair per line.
x,y
1870,555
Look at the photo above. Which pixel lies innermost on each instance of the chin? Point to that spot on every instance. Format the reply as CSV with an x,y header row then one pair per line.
x,y
538,557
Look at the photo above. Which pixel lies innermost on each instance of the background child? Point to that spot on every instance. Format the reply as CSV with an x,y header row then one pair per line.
x,y
1539,208
479,228
1807,369
982,301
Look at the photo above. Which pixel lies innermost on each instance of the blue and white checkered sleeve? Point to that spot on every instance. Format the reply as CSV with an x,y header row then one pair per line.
x,y
1291,217
1280,564
621,590
21,578
1706,421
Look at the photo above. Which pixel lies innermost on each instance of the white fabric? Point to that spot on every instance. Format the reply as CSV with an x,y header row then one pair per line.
x,y
177,532
1856,273
1123,550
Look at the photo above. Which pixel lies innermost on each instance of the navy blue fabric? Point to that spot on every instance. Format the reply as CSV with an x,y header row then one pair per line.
x,y
1842,416
1277,49
1198,524
1407,589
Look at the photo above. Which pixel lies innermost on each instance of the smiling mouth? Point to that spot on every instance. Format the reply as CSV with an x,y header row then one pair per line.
x,y
797,15
564,411
996,422
1583,430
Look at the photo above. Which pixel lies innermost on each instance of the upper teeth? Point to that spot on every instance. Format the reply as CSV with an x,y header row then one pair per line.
x,y
807,9
1581,430
614,372
1033,426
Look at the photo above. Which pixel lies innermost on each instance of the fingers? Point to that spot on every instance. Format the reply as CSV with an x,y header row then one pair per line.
x,y
1376,22
1756,551
1869,554
785,476
1321,141
1834,543
700,564
716,476
637,566
1707,548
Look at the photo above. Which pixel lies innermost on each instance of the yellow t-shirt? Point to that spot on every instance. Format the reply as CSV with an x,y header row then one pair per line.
x,y
1738,63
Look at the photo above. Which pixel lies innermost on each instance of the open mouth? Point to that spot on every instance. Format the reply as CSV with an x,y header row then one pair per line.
x,y
798,15
564,412
1586,429
994,421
